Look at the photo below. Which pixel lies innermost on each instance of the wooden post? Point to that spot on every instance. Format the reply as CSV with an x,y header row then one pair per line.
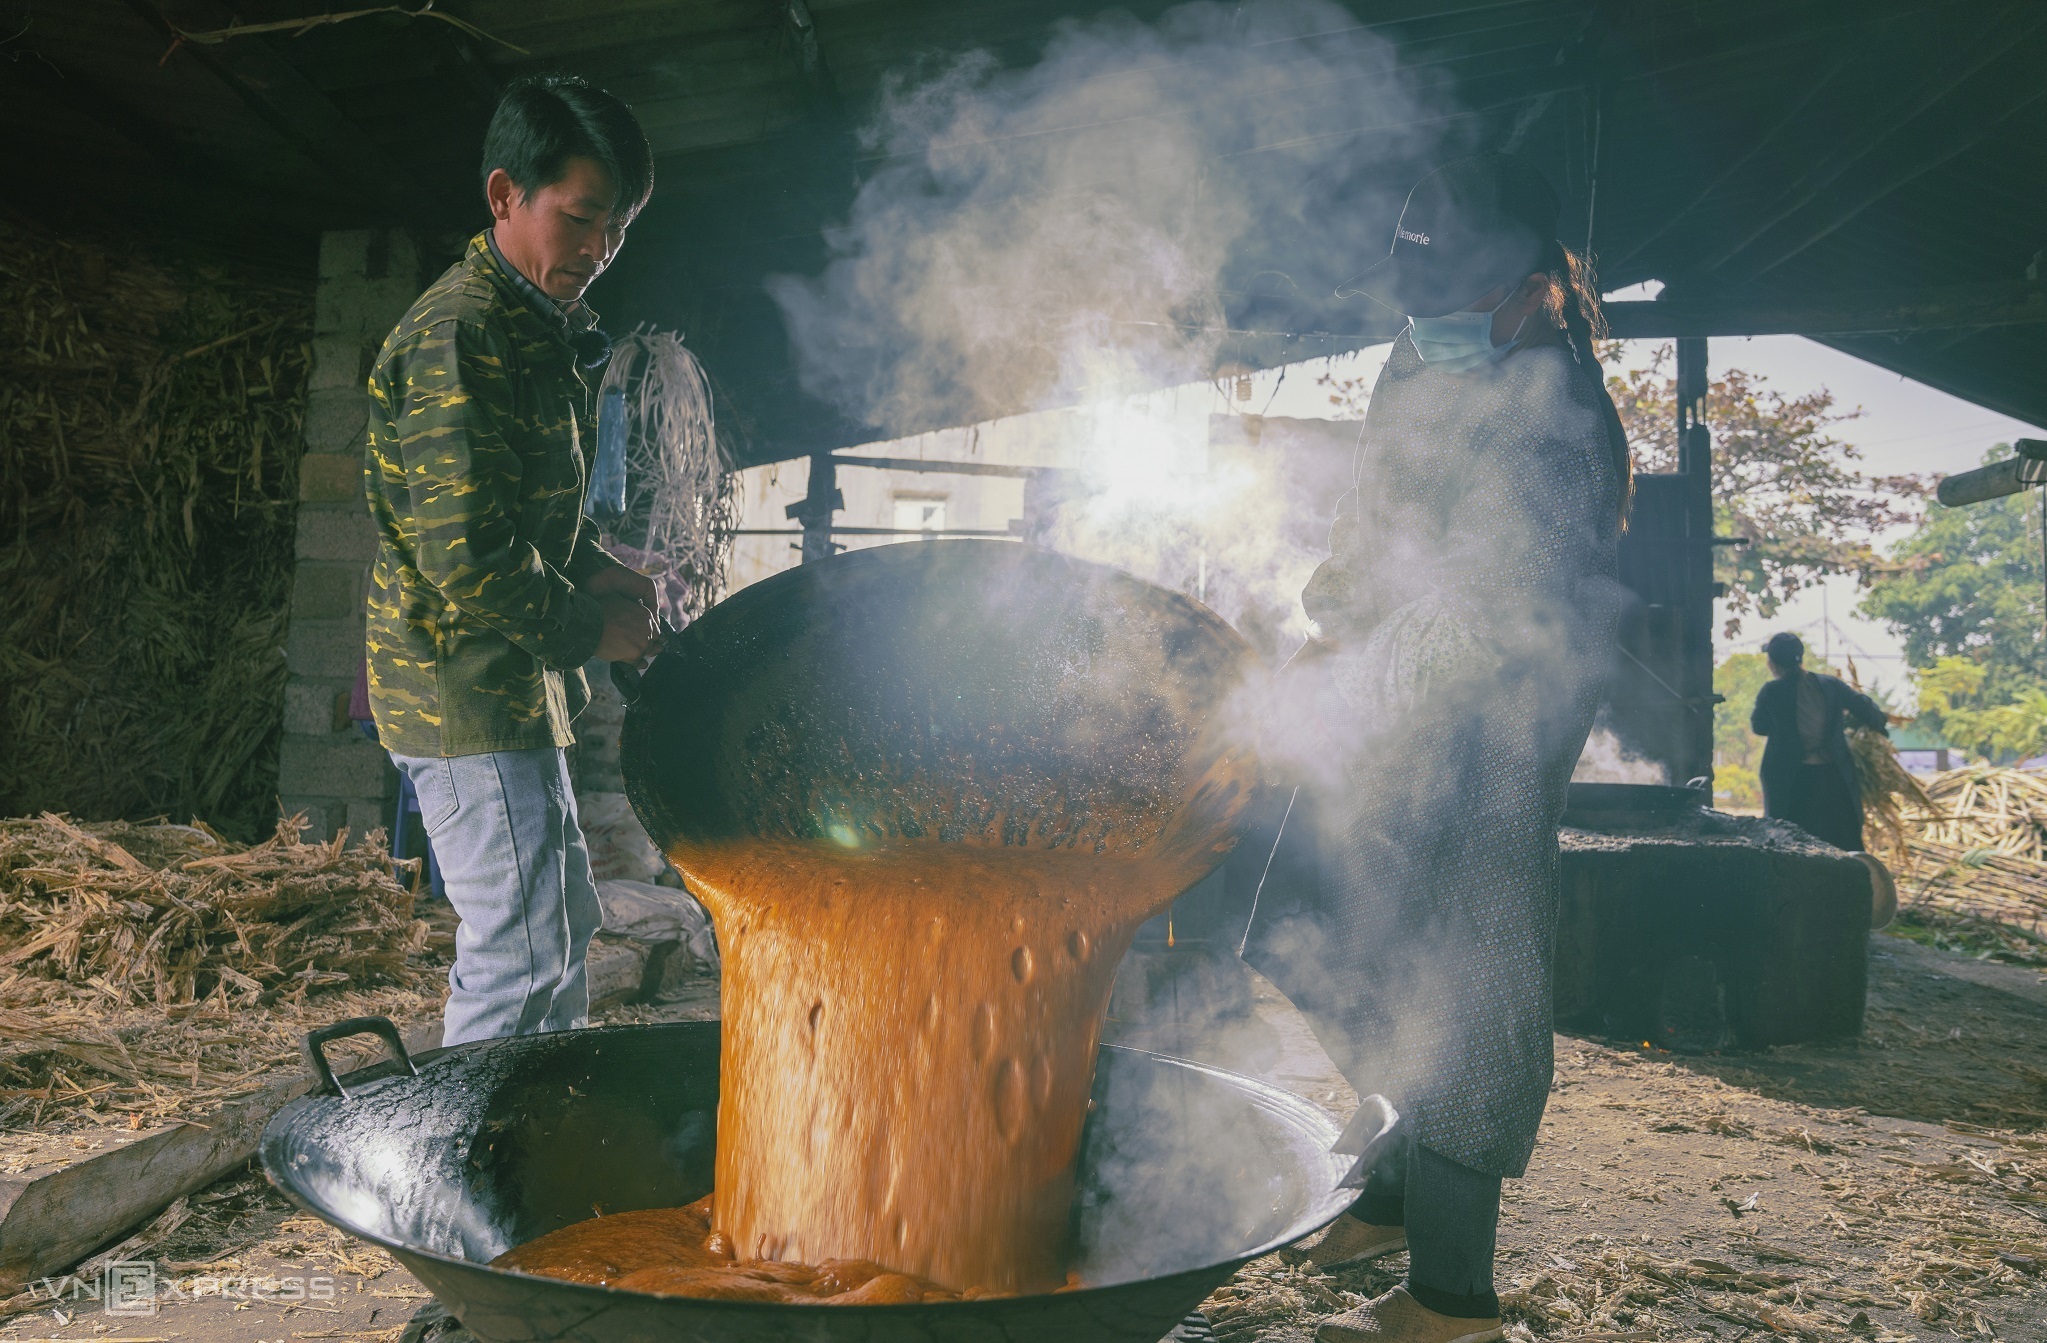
x,y
1694,756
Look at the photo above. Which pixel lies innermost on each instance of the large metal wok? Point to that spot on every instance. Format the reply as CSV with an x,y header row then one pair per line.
x,y
1187,1172
969,692
942,693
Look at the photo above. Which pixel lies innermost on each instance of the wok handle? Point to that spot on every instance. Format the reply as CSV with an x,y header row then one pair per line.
x,y
312,1048
626,676
1371,1131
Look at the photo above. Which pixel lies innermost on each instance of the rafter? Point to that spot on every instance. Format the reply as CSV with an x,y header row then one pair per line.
x,y
1865,313
285,101
2000,33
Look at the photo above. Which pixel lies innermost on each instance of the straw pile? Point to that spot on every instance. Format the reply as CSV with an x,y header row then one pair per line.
x,y
149,443
1978,847
152,970
201,916
65,1067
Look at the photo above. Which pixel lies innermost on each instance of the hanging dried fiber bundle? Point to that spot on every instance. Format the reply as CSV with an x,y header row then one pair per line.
x,y
681,497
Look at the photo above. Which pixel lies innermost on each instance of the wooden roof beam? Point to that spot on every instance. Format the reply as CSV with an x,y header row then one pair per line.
x,y
286,102
1938,144
1864,313
1810,208
1843,59
87,97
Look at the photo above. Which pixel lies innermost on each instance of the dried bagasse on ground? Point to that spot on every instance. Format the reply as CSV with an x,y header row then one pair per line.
x,y
151,972
175,914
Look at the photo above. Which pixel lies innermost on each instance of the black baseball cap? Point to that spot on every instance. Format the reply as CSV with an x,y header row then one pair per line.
x,y
1472,224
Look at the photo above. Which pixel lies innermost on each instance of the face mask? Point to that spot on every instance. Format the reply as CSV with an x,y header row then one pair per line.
x,y
1462,340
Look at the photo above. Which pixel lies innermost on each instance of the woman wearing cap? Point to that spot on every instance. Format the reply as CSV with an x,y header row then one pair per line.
x,y
1468,615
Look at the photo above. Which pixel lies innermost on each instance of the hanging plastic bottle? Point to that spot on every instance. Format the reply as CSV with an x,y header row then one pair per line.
x,y
605,501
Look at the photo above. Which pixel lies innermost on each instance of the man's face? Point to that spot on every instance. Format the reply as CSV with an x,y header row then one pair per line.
x,y
560,236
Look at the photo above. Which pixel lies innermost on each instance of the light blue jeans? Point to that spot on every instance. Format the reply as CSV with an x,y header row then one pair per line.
x,y
504,830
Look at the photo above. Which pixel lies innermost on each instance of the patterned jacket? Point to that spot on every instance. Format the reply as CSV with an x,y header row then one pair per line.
x,y
475,473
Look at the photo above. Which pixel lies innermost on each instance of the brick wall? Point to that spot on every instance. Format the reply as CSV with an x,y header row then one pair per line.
x,y
329,770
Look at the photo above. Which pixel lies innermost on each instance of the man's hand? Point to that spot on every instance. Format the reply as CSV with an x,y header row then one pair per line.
x,y
629,631
623,582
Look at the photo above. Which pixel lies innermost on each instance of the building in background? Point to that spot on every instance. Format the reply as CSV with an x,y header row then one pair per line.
x,y
1233,510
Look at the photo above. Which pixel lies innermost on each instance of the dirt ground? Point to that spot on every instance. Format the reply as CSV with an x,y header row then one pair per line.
x,y
1883,1189
1854,1190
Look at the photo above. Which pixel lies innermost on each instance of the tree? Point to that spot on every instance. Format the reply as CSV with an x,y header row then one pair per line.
x,y
1952,701
1780,480
1738,752
1965,587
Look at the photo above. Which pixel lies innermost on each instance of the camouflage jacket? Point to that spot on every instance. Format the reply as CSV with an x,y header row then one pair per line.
x,y
475,473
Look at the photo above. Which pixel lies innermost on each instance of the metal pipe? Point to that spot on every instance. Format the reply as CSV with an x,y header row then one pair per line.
x,y
2028,466
879,531
943,468
1694,662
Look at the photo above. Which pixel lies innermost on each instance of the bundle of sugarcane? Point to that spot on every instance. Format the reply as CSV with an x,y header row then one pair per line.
x,y
2003,810
1977,845
1889,792
173,915
1979,882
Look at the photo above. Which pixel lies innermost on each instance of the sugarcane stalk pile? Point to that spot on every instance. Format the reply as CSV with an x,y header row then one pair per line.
x,y
1977,846
153,970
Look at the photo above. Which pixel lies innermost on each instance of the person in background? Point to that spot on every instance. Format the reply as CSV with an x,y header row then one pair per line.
x,y
488,594
1468,616
1809,776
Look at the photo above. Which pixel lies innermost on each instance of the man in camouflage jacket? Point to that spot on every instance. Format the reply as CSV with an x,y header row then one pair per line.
x,y
488,593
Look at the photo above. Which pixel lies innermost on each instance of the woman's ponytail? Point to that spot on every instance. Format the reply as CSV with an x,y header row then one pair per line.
x,y
1573,304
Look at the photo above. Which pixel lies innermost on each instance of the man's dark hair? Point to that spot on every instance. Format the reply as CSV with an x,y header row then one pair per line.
x,y
1786,649
545,120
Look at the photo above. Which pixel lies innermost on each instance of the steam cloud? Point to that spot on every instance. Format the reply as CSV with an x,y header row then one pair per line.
x,y
1067,232
1073,233
1607,760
